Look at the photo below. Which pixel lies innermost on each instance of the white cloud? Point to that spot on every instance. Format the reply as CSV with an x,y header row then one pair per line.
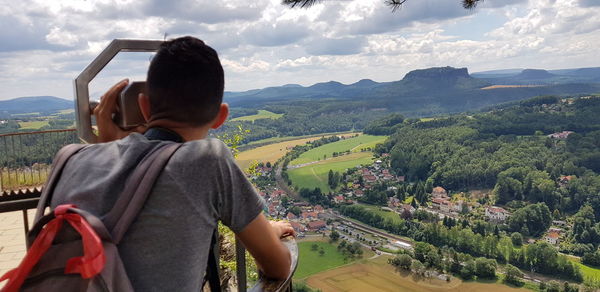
x,y
45,44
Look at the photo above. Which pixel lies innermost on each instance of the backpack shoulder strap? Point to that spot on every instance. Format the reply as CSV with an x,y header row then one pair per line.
x,y
136,191
58,164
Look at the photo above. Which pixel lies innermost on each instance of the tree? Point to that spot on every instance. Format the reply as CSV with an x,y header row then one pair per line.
x,y
393,4
402,261
516,238
513,275
417,267
314,247
485,268
321,252
334,236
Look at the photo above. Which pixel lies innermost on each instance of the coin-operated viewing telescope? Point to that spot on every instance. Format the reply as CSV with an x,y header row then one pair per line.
x,y
128,115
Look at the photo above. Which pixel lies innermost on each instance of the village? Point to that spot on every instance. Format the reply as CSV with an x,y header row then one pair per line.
x,y
319,220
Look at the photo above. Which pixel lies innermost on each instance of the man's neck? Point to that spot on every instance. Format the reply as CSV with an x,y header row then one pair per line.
x,y
188,133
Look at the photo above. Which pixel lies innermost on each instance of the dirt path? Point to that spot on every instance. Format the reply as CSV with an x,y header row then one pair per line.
x,y
315,174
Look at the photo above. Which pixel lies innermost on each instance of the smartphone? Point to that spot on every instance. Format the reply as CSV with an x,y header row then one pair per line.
x,y
128,113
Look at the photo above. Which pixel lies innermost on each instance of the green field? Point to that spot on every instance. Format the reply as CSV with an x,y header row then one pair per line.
x,y
590,274
288,138
262,114
353,144
385,214
315,175
33,125
310,262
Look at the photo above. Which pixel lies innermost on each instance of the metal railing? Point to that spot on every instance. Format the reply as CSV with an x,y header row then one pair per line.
x,y
25,160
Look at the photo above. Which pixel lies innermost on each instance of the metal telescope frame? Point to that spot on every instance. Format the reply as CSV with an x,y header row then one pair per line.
x,y
81,83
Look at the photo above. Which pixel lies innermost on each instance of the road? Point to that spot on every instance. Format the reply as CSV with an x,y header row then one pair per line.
x,y
283,185
369,229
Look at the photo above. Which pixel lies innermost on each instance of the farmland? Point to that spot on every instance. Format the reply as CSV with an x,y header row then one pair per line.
x,y
33,125
377,275
315,175
352,144
262,114
269,153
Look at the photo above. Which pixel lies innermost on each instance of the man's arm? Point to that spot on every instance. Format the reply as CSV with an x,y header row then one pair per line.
x,y
262,239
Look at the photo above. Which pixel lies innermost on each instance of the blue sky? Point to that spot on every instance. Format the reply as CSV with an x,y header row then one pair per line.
x,y
45,44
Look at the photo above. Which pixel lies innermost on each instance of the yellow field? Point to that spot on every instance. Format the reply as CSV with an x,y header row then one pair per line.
x,y
33,125
271,152
377,275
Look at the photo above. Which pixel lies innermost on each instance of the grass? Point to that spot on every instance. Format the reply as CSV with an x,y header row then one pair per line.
x,y
590,274
12,179
316,175
310,262
378,275
32,125
393,216
353,144
262,114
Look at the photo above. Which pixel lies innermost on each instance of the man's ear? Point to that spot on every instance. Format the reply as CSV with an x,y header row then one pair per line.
x,y
221,116
144,104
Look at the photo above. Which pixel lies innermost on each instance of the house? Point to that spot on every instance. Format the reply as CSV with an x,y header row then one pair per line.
x,y
370,178
442,204
496,213
560,223
291,216
409,208
319,209
359,193
298,227
561,135
565,180
439,192
309,215
316,225
553,238
394,202
401,178
338,199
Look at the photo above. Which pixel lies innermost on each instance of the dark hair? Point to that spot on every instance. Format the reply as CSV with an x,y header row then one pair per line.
x,y
185,82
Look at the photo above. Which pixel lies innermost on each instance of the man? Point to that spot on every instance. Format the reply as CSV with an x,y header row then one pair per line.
x,y
166,248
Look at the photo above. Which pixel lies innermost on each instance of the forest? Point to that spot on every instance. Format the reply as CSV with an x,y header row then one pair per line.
x,y
510,150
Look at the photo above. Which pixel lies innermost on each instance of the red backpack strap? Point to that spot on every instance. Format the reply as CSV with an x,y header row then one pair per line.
x,y
58,164
89,265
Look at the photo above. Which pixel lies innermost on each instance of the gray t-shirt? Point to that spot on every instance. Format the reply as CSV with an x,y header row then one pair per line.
x,y
166,248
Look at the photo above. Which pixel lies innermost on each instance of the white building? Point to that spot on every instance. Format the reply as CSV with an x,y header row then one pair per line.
x,y
496,213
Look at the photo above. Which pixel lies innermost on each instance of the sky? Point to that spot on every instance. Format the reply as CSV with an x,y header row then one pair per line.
x,y
45,44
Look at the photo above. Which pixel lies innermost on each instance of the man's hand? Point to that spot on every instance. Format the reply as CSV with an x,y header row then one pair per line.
x,y
107,129
282,228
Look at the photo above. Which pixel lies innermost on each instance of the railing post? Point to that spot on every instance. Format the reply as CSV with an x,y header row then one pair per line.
x,y
240,260
25,222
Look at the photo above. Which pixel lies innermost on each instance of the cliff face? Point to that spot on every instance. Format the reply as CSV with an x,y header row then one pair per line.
x,y
442,73
442,77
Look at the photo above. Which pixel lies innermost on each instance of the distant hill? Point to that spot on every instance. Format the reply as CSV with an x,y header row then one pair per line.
x,y
539,76
535,74
426,91
32,104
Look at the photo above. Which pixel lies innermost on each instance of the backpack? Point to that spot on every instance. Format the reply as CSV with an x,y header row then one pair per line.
x,y
84,257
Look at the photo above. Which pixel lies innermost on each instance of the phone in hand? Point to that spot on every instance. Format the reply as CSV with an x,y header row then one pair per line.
x,y
128,113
